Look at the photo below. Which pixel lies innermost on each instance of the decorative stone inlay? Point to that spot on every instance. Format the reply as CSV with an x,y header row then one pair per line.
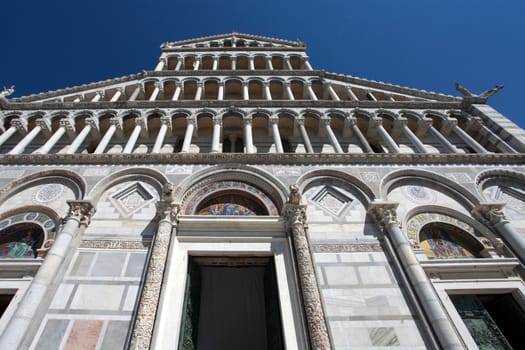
x,y
331,200
370,176
132,198
383,336
460,177
296,225
512,197
114,244
49,193
419,194
347,248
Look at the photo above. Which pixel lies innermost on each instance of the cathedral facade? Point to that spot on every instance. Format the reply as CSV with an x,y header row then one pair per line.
x,y
234,197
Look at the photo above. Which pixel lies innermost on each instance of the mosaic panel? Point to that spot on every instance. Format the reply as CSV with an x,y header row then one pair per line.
x,y
20,241
416,222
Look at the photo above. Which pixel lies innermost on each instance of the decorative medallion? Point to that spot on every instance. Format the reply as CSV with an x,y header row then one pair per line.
x,y
419,194
49,193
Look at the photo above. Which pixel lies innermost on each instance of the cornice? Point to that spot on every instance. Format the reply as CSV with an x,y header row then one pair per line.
x,y
238,35
266,159
235,49
231,103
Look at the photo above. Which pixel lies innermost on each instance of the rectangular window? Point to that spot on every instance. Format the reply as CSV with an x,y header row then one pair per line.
x,y
231,303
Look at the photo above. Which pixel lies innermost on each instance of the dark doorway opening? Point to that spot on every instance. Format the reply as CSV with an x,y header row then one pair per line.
x,y
5,300
231,303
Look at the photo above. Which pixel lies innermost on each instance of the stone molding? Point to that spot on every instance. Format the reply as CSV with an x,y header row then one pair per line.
x,y
114,244
267,158
81,210
295,215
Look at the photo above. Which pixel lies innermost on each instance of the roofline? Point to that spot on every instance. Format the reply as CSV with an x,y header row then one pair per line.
x,y
296,43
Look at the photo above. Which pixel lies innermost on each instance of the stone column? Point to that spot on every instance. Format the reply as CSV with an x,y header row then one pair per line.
x,y
98,96
307,64
216,136
248,137
38,294
267,91
351,94
391,144
304,135
331,92
53,139
114,124
440,137
190,126
251,64
491,214
144,323
165,124
295,215
274,121
287,63
198,93
289,92
40,125
269,64
117,94
384,213
179,63
331,136
220,93
130,145
215,62
466,137
500,144
245,92
234,63
178,90
412,137
233,142
90,123
362,139
310,91
8,133
161,64
197,63
136,92
156,91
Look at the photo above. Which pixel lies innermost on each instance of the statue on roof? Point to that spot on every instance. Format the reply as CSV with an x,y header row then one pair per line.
x,y
7,92
483,95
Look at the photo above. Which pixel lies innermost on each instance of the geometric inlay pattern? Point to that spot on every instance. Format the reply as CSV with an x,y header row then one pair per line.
x,y
48,193
331,200
132,198
419,194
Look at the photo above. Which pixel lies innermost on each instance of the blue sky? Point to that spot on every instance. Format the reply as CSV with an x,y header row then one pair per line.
x,y
424,44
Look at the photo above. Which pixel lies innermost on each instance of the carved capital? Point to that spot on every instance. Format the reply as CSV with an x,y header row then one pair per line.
x,y
326,121
81,210
384,213
168,212
247,120
191,121
300,121
44,124
294,214
141,121
489,213
165,120
93,122
20,125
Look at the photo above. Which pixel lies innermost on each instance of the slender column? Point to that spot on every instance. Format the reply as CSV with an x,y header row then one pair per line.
x,y
143,326
391,144
156,91
98,96
304,135
40,125
362,139
197,63
269,64
233,141
412,137
161,64
384,214
466,137
287,63
274,121
130,145
491,214
267,91
331,135
216,136
295,215
371,95
190,126
289,92
52,140
351,94
165,124
331,92
215,62
198,93
7,134
234,63
78,99
179,63
245,92
500,144
37,295
90,123
178,90
444,141
220,94
248,137
251,64
117,94
307,64
136,92
115,123
310,91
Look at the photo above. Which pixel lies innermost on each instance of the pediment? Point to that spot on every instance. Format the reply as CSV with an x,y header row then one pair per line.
x,y
233,40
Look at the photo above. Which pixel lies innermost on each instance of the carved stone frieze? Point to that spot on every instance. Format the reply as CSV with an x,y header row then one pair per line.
x,y
114,244
347,248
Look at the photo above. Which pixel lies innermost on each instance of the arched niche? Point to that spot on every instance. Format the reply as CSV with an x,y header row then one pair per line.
x,y
228,197
442,236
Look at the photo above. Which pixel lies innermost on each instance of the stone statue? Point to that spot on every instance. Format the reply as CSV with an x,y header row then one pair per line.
x,y
295,195
483,95
168,192
7,92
